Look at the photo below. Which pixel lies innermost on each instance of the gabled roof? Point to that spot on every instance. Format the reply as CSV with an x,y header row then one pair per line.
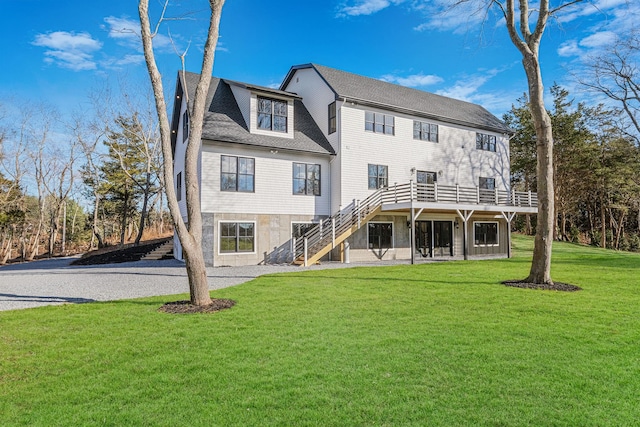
x,y
224,122
379,94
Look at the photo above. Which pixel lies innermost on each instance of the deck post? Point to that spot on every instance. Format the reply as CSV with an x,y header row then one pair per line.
x,y
435,191
530,204
412,235
477,195
333,233
513,197
457,193
495,190
306,251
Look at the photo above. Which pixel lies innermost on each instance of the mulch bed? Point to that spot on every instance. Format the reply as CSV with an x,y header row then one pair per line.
x,y
185,307
555,286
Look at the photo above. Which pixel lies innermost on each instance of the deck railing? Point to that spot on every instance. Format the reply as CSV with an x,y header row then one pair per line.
x,y
455,194
326,231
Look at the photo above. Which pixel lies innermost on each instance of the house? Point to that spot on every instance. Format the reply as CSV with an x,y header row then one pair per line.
x,y
334,165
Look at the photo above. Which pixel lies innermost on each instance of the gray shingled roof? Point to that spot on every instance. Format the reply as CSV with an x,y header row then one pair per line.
x,y
368,91
224,122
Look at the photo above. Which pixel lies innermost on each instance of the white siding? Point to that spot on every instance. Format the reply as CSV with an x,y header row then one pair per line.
x,y
317,96
273,183
455,154
179,160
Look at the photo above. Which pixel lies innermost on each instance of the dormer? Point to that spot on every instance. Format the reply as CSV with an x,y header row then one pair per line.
x,y
266,111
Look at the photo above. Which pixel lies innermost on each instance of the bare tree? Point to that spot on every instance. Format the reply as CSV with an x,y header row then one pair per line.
x,y
615,74
517,15
88,135
190,234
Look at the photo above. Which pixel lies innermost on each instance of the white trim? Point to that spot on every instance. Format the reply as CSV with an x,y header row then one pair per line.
x,y
393,234
497,223
255,237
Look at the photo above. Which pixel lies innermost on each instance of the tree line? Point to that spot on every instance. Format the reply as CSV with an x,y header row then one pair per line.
x,y
596,153
69,185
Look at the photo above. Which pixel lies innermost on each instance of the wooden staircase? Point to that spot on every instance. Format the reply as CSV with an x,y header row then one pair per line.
x,y
326,235
161,252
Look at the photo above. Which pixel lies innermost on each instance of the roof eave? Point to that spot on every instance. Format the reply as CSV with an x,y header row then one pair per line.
x,y
422,114
266,147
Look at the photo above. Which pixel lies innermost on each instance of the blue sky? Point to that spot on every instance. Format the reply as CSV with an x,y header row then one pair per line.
x,y
56,52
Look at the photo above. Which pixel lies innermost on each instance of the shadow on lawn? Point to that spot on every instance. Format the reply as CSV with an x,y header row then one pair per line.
x,y
43,299
454,280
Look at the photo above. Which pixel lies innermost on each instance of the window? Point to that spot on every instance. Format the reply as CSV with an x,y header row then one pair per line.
x,y
487,183
485,233
379,123
425,131
299,228
426,177
185,125
333,124
485,142
179,186
237,174
236,237
272,114
378,176
380,235
306,179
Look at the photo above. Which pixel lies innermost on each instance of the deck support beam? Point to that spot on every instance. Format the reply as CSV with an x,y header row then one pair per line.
x,y
465,215
509,217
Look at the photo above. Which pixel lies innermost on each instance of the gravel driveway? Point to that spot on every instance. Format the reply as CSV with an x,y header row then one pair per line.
x,y
54,281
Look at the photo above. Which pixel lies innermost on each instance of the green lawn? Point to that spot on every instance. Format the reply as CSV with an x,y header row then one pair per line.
x,y
433,344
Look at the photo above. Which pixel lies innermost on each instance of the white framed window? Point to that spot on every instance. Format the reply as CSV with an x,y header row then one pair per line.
x,y
378,176
380,235
179,186
298,228
487,183
485,233
426,177
237,174
332,114
379,123
306,179
272,114
425,131
185,125
485,142
236,237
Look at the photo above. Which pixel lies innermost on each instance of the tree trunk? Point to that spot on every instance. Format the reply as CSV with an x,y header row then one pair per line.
x,y
94,227
603,224
541,263
143,213
124,218
191,236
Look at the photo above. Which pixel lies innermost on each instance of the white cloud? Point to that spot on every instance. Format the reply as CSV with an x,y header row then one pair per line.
x,y
569,48
441,16
599,40
465,89
367,7
589,8
68,49
415,80
122,28
130,59
127,32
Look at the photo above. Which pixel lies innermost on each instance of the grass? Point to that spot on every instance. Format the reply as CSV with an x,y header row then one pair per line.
x,y
434,344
